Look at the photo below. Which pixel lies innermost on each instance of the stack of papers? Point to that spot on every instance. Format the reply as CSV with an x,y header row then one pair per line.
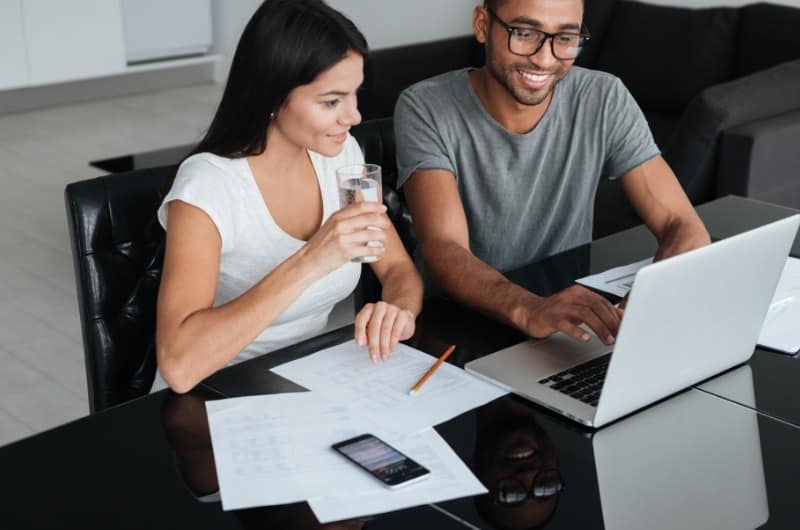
x,y
617,281
276,449
780,331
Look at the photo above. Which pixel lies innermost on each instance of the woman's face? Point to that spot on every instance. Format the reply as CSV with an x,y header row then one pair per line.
x,y
317,116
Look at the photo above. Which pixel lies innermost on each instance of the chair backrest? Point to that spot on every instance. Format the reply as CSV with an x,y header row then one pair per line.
x,y
118,251
376,138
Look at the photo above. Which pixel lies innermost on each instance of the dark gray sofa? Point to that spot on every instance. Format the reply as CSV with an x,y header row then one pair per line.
x,y
720,88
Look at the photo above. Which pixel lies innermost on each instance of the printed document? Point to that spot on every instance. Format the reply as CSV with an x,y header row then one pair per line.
x,y
450,478
276,449
617,281
781,330
379,391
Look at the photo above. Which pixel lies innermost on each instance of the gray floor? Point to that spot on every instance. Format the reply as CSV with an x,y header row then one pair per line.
x,y
42,380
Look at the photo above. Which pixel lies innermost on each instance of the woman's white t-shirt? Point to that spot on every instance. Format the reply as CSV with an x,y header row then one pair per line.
x,y
253,244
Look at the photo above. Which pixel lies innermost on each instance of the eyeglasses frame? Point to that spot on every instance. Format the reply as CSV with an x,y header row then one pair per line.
x,y
529,492
583,34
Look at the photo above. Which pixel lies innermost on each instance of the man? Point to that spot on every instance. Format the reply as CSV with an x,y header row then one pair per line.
x,y
500,166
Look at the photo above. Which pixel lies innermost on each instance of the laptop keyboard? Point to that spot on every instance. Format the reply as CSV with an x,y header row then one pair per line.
x,y
583,382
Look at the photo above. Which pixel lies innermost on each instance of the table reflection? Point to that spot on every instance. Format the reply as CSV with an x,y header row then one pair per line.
x,y
690,461
517,462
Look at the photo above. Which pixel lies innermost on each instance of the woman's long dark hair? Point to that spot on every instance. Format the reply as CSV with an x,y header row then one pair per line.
x,y
286,44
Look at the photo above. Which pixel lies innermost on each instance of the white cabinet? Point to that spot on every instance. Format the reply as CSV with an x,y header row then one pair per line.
x,y
155,29
46,42
13,60
73,40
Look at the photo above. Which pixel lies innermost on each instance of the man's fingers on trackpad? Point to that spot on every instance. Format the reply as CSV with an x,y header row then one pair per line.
x,y
574,331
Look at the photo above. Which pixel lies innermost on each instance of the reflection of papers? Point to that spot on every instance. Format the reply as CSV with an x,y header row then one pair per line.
x,y
781,330
617,281
450,478
276,449
379,391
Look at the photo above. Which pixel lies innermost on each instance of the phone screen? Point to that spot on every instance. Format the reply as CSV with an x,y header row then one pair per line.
x,y
383,461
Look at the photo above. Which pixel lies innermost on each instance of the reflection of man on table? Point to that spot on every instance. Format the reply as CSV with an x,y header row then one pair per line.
x,y
500,166
517,462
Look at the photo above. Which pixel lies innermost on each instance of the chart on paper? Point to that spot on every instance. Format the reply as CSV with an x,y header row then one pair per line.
x,y
380,390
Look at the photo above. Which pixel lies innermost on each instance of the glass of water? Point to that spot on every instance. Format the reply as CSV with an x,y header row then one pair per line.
x,y
358,183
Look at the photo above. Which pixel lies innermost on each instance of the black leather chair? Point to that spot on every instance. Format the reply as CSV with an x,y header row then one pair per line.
x,y
118,251
376,138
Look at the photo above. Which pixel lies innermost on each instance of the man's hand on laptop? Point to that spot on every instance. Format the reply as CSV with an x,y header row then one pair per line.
x,y
566,311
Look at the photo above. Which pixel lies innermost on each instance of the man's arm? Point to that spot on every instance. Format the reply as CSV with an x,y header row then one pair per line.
x,y
658,198
441,227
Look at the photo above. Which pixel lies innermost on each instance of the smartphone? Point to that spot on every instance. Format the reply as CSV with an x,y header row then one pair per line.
x,y
381,460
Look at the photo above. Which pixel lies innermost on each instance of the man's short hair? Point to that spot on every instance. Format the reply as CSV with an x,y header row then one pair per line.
x,y
494,5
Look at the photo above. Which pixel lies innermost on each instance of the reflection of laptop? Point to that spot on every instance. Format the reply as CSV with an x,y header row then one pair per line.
x,y
693,461
687,319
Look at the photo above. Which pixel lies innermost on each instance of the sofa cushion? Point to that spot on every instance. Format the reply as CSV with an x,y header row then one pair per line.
x,y
768,34
662,126
389,71
694,151
666,55
596,16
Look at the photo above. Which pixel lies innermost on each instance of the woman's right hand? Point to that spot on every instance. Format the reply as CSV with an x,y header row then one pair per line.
x,y
345,235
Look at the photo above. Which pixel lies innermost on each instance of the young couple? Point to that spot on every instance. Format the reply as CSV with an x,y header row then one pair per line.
x,y
258,250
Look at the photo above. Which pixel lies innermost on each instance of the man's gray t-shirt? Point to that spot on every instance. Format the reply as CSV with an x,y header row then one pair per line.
x,y
526,196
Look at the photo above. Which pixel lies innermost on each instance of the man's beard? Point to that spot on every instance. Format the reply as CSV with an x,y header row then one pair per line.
x,y
522,96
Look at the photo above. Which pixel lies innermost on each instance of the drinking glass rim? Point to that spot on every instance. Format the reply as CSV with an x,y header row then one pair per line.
x,y
358,170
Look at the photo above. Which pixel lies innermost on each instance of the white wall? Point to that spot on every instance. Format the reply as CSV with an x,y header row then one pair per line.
x,y
228,18
388,23
384,23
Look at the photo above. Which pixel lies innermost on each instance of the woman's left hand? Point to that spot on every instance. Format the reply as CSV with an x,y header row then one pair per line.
x,y
381,326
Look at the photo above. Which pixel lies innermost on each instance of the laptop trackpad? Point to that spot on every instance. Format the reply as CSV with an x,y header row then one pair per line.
x,y
556,353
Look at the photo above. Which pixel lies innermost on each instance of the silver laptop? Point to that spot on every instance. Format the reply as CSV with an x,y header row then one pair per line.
x,y
688,318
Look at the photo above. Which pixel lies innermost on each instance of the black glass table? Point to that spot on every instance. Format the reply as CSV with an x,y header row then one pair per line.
x,y
168,156
720,455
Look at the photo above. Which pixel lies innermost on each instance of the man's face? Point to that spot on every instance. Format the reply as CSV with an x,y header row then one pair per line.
x,y
529,80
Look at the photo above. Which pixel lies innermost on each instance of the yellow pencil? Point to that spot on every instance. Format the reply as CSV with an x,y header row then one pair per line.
x,y
432,369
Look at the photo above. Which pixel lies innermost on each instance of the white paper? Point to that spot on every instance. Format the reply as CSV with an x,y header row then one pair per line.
x,y
617,281
379,391
450,478
275,449
781,330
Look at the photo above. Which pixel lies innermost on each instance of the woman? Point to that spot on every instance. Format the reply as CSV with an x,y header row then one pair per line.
x,y
257,253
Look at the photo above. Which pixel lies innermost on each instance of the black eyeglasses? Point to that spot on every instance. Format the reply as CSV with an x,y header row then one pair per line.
x,y
528,41
511,491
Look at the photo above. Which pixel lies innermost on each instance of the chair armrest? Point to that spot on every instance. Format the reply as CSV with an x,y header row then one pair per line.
x,y
760,160
694,147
